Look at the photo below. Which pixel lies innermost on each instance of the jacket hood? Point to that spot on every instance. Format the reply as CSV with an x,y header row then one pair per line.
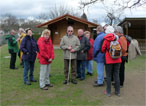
x,y
110,37
42,38
7,36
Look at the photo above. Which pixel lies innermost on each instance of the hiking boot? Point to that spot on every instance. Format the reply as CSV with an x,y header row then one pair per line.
x,y
27,83
78,77
44,88
87,73
81,79
65,82
49,85
15,68
74,81
118,94
33,80
97,85
108,94
95,82
90,74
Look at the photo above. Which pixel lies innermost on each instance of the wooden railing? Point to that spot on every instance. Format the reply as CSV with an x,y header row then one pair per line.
x,y
142,44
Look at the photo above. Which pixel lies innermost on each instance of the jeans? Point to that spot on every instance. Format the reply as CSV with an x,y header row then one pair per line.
x,y
28,66
13,60
81,68
44,75
115,69
100,73
89,66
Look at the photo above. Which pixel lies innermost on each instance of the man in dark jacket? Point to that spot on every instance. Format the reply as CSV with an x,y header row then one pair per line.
x,y
13,48
82,54
29,49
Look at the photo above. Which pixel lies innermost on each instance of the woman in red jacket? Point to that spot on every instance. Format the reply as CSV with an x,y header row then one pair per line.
x,y
89,62
112,65
45,56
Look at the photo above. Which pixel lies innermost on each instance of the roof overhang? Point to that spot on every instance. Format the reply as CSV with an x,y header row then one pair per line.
x,y
67,16
131,22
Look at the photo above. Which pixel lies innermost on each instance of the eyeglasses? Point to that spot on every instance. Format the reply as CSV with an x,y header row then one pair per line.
x,y
70,31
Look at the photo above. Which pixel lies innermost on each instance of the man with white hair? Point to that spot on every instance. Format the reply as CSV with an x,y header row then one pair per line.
x,y
70,44
82,54
119,32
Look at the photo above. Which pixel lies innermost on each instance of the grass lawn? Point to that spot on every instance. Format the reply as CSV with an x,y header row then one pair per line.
x,y
14,92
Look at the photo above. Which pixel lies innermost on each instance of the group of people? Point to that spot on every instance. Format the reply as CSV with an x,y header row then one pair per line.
x,y
28,50
79,53
114,67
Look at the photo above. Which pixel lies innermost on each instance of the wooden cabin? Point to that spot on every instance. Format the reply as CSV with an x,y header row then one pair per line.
x,y
58,26
136,28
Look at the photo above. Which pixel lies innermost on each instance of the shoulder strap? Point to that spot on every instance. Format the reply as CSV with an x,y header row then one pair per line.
x,y
121,36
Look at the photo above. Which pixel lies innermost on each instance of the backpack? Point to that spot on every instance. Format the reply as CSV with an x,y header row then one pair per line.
x,y
115,49
129,39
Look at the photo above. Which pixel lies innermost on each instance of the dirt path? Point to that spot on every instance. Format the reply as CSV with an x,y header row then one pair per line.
x,y
133,92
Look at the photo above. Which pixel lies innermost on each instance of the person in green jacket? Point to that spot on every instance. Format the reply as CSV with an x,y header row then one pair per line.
x,y
13,48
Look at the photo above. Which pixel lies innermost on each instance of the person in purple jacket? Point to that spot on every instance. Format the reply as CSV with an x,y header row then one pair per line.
x,y
29,49
98,56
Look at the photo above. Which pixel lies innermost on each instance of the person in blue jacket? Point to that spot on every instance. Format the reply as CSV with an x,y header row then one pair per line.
x,y
29,48
98,56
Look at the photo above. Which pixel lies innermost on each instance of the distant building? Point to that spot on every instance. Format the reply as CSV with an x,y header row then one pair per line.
x,y
58,26
136,28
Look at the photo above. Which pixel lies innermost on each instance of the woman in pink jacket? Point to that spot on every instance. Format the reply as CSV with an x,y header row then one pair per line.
x,y
45,56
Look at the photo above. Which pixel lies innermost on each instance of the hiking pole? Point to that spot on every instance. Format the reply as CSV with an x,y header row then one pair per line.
x,y
69,68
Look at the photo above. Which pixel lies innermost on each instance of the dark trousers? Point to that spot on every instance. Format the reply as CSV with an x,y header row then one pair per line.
x,y
115,69
122,72
81,68
13,60
73,68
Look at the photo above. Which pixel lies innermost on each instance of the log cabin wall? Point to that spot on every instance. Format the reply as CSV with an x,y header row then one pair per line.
x,y
58,29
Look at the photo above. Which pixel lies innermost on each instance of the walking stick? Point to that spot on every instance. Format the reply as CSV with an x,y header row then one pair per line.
x,y
69,68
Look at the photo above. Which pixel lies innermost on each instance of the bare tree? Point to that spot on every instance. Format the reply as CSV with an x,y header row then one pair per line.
x,y
43,16
9,21
123,3
60,10
116,10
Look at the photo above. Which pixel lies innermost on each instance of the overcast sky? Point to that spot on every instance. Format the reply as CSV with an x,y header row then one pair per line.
x,y
32,8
